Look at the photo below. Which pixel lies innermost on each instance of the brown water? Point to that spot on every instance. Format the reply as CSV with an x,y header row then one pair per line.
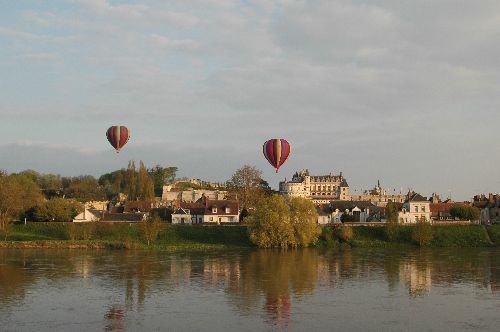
x,y
303,290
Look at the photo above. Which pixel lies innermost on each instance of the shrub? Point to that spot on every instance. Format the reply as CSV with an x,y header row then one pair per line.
x,y
422,233
344,233
151,228
391,231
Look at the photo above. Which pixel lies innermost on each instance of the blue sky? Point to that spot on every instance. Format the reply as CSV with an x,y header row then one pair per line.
x,y
402,91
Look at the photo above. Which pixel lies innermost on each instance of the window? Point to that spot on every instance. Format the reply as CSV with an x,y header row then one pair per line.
x,y
416,208
211,219
422,208
228,210
200,220
220,219
214,210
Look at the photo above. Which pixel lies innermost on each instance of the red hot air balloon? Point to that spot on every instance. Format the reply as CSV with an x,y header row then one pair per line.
x,y
118,136
276,151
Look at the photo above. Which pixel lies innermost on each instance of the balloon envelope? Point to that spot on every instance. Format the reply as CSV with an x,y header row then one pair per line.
x,y
276,151
118,136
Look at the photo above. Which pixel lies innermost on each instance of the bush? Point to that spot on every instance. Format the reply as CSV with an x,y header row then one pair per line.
x,y
344,233
422,233
391,231
151,228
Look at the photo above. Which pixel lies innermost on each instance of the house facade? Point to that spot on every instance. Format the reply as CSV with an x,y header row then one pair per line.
x,y
206,211
415,208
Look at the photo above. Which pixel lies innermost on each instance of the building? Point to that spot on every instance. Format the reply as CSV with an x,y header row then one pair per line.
x,y
490,208
415,208
379,196
206,211
191,195
320,189
89,215
359,211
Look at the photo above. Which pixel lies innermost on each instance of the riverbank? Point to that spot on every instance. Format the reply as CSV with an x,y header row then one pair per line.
x,y
202,238
124,236
443,236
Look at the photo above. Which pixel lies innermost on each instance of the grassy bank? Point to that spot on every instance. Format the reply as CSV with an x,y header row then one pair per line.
x,y
186,237
171,237
442,236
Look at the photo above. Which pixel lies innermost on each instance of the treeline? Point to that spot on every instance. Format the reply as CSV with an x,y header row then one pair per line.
x,y
51,197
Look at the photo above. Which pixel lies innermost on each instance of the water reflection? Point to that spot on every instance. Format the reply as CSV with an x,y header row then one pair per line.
x,y
266,283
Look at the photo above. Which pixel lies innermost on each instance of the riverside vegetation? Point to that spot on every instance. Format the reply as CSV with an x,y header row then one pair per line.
x,y
197,237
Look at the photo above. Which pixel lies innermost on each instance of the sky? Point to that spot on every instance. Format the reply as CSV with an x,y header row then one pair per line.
x,y
405,92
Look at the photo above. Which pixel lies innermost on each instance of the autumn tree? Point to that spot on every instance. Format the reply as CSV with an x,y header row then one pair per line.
x,y
277,222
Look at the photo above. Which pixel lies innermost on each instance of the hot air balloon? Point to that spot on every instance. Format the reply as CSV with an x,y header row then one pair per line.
x,y
276,151
118,136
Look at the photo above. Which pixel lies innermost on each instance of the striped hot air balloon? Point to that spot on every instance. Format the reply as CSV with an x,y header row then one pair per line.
x,y
118,136
276,151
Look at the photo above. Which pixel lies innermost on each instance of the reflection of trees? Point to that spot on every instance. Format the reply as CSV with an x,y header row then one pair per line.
x,y
265,279
278,275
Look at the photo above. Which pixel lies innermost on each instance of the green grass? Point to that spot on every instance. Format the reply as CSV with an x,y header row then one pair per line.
x,y
494,233
107,235
443,236
460,236
197,237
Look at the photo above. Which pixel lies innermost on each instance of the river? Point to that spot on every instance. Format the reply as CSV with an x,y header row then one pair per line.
x,y
254,290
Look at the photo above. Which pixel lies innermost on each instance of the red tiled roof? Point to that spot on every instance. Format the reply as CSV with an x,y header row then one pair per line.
x,y
443,207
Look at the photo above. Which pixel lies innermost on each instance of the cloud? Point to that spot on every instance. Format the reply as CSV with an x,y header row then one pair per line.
x,y
397,90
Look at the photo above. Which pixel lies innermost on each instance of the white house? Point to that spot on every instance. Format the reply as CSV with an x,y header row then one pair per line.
x,y
182,216
205,211
89,215
415,208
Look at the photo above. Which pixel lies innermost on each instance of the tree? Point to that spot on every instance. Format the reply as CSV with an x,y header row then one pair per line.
x,y
56,209
269,224
130,181
50,184
392,226
83,188
145,184
151,228
422,233
246,185
17,195
277,222
465,212
304,217
161,176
